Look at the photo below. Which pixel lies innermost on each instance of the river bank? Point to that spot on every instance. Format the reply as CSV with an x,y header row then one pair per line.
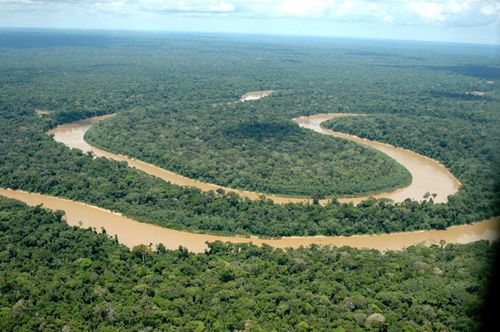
x,y
131,232
428,175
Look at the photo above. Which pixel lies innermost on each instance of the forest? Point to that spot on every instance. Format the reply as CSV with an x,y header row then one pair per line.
x,y
39,164
422,91
56,277
468,144
174,95
247,147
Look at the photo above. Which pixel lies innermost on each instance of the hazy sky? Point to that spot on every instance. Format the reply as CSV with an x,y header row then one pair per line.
x,y
472,21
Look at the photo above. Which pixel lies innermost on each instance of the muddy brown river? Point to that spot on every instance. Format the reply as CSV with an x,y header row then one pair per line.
x,y
132,233
428,175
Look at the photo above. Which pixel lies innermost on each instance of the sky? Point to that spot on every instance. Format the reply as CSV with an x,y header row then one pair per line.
x,y
464,21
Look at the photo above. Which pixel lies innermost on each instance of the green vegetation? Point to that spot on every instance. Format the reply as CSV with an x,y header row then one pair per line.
x,y
54,277
248,147
466,144
148,76
38,164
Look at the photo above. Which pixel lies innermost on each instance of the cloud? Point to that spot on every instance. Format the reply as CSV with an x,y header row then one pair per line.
x,y
395,12
456,13
196,6
60,5
398,12
428,10
131,6
300,8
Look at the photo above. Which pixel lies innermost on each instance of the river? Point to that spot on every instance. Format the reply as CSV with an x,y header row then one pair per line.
x,y
132,233
428,175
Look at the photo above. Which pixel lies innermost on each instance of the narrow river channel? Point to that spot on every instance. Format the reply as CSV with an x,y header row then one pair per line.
x,y
132,233
428,175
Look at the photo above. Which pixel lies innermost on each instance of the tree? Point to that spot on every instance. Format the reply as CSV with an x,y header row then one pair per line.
x,y
141,251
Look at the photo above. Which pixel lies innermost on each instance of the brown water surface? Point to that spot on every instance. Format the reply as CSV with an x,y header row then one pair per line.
x,y
72,135
428,175
132,233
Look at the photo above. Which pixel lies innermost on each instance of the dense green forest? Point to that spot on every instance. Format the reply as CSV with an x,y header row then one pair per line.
x,y
152,78
248,147
468,145
39,164
55,277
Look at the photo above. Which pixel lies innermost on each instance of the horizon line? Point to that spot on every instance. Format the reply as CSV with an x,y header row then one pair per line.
x,y
83,29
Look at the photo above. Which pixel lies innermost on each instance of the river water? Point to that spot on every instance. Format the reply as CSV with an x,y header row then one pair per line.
x,y
132,233
428,175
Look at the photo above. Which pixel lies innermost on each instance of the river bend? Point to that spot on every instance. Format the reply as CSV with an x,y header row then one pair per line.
x,y
428,175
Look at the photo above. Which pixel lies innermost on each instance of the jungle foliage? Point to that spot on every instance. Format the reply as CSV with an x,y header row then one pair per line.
x,y
152,78
55,277
248,147
466,144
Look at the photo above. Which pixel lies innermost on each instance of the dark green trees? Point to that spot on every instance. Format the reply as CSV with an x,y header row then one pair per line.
x,y
60,278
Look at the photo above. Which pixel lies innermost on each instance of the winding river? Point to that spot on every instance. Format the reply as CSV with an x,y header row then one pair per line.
x,y
428,176
132,233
